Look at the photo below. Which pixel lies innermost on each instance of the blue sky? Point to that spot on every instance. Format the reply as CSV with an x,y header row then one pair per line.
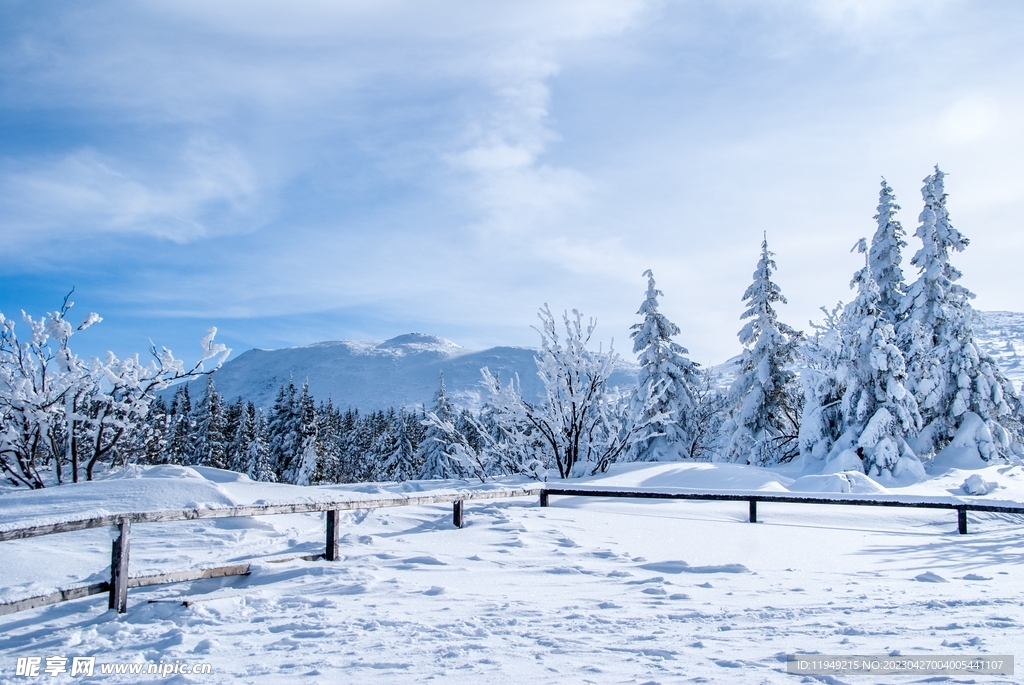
x,y
305,171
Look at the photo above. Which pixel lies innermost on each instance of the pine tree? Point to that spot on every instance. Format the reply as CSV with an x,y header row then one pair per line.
x,y
885,256
258,458
437,451
283,432
303,465
328,432
180,443
210,444
764,417
242,438
878,412
671,376
955,384
401,462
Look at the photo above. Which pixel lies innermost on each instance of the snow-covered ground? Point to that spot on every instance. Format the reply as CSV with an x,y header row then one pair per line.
x,y
587,590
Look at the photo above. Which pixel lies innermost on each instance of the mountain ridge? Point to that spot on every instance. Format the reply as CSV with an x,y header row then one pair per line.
x,y
404,370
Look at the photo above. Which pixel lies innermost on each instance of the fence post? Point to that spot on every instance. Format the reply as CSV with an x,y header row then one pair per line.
x,y
961,520
331,553
543,498
119,568
457,513
753,510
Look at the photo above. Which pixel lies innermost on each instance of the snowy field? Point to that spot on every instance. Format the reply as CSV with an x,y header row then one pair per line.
x,y
587,590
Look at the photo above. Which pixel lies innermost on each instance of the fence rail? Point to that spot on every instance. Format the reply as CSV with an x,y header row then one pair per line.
x,y
752,498
120,581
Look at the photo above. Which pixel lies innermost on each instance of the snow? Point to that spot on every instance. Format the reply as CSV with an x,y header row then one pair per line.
x,y
976,485
586,590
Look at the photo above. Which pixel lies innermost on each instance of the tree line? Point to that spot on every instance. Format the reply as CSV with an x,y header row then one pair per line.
x,y
879,385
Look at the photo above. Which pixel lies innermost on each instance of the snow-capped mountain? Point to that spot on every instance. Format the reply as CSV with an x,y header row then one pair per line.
x,y
376,375
404,370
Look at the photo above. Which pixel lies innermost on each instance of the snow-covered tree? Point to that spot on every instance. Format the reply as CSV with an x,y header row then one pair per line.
x,y
955,384
672,377
711,405
821,421
400,463
210,445
765,406
57,410
259,463
581,422
886,256
877,410
302,467
181,428
283,435
444,451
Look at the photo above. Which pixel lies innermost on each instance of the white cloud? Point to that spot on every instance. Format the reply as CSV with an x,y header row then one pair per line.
x,y
206,190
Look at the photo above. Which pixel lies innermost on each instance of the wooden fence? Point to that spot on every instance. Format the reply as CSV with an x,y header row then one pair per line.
x,y
120,581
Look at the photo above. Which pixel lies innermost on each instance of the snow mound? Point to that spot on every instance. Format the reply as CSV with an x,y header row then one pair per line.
x,y
691,475
847,481
976,485
683,567
155,488
929,577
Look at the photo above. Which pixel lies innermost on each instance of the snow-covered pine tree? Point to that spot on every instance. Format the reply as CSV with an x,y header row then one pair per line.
x,y
401,463
885,256
210,443
238,450
878,412
665,368
181,428
438,453
303,465
765,404
962,395
348,445
152,439
283,432
329,444
259,462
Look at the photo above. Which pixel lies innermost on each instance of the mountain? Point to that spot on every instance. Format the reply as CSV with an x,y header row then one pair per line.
x,y
377,375
404,370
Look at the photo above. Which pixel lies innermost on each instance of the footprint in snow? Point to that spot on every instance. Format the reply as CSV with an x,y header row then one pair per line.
x,y
975,576
434,591
706,584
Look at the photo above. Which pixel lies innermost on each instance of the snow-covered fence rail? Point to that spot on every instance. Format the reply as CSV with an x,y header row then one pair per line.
x,y
120,580
752,498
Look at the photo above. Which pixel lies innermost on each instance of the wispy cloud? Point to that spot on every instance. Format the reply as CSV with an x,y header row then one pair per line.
x,y
366,166
207,190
